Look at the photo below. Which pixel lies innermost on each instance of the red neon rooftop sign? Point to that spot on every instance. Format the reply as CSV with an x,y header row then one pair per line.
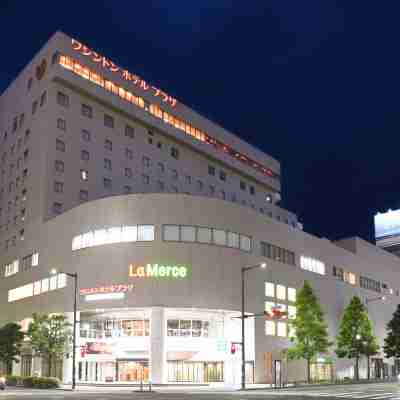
x,y
126,75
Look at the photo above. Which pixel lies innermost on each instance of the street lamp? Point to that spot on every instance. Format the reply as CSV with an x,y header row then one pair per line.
x,y
244,270
75,276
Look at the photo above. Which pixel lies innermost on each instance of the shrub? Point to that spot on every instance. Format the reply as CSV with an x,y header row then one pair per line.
x,y
40,383
13,380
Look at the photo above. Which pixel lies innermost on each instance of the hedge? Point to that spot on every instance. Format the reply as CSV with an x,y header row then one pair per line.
x,y
33,382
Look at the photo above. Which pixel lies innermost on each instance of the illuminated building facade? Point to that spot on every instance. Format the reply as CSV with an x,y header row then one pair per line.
x,y
387,231
157,209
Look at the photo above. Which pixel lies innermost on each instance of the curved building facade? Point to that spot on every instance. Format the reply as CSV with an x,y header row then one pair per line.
x,y
157,210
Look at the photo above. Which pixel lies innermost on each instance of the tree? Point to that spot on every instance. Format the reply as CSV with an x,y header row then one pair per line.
x,y
391,346
50,337
311,333
11,338
355,336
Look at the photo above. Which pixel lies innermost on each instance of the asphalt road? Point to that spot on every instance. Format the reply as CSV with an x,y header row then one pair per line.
x,y
381,391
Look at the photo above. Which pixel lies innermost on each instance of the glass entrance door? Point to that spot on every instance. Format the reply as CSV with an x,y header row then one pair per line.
x,y
214,372
133,371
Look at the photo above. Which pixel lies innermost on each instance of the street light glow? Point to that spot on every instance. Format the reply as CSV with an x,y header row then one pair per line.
x,y
53,271
263,265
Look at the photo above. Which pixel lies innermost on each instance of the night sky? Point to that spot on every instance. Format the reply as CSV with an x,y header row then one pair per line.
x,y
315,84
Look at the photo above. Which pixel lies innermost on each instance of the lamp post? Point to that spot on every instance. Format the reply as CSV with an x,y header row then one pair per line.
x,y
75,276
243,272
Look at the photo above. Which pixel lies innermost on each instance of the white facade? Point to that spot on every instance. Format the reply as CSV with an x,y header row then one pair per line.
x,y
157,213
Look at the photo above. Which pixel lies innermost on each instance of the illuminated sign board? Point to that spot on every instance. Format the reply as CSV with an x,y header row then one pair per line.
x,y
159,271
105,296
120,288
126,75
387,224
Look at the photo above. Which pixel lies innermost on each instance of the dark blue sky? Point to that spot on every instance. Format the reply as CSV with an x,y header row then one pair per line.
x,y
314,83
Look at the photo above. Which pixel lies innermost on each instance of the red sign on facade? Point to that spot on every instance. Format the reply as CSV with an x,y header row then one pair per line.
x,y
126,75
120,288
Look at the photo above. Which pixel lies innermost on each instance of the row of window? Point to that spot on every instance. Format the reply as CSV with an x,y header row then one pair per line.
x,y
195,328
370,284
277,253
111,328
312,265
115,234
199,234
343,275
280,292
86,73
35,288
32,260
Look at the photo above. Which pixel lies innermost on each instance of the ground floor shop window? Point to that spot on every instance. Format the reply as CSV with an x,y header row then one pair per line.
x,y
321,372
195,372
126,370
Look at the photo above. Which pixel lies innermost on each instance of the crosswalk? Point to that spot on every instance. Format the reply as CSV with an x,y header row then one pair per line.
x,y
369,394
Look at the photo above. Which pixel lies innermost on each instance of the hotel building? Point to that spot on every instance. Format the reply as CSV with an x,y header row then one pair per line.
x,y
157,209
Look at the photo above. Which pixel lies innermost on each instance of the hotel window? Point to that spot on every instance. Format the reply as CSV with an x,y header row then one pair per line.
x,y
57,208
145,233
174,152
161,167
83,195
270,328
211,170
281,330
160,186
199,185
108,144
223,195
12,268
312,265
233,240
43,99
60,145
212,189
27,135
30,81
107,164
62,99
281,292
171,233
188,233
84,155
188,179
159,145
59,166
85,135
108,121
127,189
26,155
54,57
58,187
269,289
84,175
277,253
21,119
219,237
128,172
15,124
370,284
174,189
129,154
245,243
204,235
86,111
146,161
291,312
242,185
61,124
145,179
291,294
129,131
252,190
222,175
107,183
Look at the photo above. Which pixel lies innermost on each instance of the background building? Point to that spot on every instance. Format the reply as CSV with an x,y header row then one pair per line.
x,y
157,209
387,231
